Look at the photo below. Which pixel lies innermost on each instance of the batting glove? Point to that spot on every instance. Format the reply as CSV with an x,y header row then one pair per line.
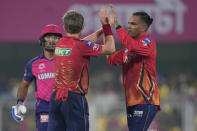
x,y
18,111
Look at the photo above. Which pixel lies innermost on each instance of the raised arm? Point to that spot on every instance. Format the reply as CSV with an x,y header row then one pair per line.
x,y
114,22
109,43
136,46
94,36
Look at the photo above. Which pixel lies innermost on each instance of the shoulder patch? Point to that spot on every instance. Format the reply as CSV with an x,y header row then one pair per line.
x,y
147,40
89,43
96,46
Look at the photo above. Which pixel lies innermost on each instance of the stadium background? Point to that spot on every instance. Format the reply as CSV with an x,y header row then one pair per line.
x,y
174,29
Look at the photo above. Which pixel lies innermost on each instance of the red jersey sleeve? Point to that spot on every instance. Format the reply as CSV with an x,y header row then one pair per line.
x,y
143,47
89,48
116,58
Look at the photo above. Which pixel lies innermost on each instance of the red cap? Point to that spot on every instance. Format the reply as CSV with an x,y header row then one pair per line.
x,y
51,28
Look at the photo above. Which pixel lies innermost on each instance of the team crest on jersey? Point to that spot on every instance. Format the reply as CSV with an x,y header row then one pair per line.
x,y
89,43
62,51
41,66
96,46
147,40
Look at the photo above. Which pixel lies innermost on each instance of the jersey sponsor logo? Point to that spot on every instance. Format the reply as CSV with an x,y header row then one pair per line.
x,y
136,114
62,51
147,40
46,76
89,43
44,118
96,46
144,42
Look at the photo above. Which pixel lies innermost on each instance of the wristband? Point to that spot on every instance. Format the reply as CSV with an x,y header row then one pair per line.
x,y
20,101
107,29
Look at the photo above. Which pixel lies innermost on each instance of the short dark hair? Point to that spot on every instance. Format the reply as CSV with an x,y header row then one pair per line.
x,y
144,17
73,21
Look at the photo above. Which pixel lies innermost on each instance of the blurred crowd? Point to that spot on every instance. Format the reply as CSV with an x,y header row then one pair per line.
x,y
106,99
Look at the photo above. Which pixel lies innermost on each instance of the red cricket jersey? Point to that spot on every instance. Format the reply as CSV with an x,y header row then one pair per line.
x,y
72,61
138,60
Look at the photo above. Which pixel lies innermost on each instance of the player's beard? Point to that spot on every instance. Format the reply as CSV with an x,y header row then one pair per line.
x,y
130,33
50,50
133,34
50,47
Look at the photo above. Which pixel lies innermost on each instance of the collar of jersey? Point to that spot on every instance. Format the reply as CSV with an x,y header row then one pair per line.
x,y
42,56
141,36
71,37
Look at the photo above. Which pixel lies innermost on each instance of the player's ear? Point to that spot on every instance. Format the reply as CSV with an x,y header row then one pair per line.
x,y
83,27
64,28
41,40
144,28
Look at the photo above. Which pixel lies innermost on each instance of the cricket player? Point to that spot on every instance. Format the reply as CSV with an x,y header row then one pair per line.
x,y
68,107
41,70
138,60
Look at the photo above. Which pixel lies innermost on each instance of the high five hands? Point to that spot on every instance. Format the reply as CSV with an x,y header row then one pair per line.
x,y
106,18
